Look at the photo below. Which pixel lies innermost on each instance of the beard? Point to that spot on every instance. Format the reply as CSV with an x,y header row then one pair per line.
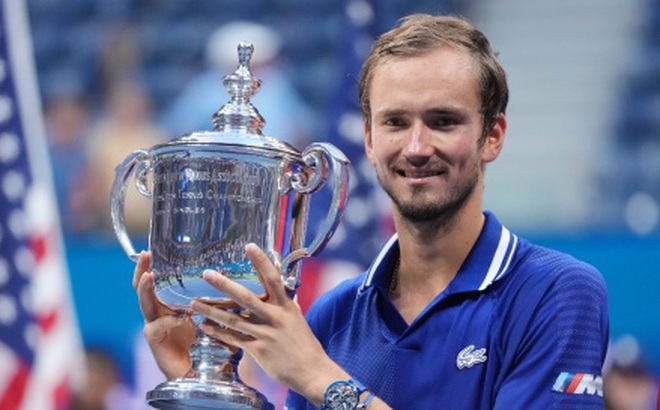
x,y
438,209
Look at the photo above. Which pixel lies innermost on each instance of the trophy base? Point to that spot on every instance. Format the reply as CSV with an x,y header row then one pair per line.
x,y
195,394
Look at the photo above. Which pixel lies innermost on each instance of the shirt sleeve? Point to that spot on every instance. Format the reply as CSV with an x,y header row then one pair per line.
x,y
559,344
294,401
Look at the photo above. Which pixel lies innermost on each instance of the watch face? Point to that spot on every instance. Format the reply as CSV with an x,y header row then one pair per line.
x,y
341,396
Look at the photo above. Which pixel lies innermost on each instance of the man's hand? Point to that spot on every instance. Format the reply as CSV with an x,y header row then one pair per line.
x,y
272,329
169,334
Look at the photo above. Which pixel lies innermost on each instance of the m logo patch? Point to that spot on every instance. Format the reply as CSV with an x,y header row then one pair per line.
x,y
579,383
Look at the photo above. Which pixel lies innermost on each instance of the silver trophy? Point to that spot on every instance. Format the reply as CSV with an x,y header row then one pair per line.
x,y
213,192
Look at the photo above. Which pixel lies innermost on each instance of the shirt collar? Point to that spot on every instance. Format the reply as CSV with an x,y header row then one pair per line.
x,y
488,261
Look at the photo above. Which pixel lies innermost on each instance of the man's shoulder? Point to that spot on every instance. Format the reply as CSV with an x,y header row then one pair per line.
x,y
553,282
553,267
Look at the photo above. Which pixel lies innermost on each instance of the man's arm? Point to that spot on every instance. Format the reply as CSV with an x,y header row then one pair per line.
x,y
560,344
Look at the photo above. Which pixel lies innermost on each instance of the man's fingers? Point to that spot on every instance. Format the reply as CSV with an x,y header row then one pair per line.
x,y
268,273
226,304
230,322
232,340
151,308
141,267
241,295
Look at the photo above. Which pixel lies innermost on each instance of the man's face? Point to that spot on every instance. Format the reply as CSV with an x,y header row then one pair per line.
x,y
424,132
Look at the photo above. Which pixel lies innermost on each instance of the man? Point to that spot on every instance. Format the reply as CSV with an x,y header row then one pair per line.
x,y
455,312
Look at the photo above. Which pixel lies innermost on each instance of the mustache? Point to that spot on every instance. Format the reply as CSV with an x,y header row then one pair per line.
x,y
430,168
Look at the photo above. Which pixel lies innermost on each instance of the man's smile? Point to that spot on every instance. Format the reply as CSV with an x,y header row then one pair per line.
x,y
420,173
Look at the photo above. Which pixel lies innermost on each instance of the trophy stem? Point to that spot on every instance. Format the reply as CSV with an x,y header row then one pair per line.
x,y
212,360
212,383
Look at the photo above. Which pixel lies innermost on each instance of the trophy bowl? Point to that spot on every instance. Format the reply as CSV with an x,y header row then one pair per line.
x,y
213,192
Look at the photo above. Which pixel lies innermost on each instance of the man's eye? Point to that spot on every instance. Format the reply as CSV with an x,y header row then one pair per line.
x,y
445,122
394,122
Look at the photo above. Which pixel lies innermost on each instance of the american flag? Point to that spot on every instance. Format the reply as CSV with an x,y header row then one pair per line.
x,y
41,354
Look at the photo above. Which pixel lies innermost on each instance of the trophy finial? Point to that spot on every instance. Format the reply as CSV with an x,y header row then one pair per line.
x,y
245,51
238,114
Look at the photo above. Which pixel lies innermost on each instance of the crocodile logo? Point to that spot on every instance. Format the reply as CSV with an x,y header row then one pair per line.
x,y
469,357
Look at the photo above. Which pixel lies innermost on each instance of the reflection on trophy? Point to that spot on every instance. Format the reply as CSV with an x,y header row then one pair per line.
x,y
212,193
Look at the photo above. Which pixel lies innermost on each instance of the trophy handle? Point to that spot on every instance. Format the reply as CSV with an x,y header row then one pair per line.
x,y
135,162
321,157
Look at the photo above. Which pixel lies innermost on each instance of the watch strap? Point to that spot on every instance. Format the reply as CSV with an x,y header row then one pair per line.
x,y
360,387
366,402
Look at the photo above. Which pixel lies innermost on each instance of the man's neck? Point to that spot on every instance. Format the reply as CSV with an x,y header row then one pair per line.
x,y
431,258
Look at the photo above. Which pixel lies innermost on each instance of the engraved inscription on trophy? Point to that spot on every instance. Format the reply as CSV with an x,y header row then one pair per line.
x,y
239,182
208,210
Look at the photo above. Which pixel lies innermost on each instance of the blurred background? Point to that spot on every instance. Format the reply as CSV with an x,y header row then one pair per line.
x,y
580,171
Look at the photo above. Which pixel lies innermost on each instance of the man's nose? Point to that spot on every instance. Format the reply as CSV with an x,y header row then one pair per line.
x,y
418,144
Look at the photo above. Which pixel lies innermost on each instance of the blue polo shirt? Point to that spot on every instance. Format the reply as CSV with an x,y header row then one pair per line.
x,y
519,327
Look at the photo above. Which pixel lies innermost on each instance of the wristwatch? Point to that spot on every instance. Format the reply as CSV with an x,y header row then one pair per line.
x,y
344,395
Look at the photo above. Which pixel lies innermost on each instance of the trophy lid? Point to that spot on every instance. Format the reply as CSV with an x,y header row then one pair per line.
x,y
238,123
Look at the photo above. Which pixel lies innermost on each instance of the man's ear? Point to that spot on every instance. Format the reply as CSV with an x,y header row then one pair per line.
x,y
368,142
494,140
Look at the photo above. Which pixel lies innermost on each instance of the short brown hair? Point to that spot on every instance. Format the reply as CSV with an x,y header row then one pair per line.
x,y
420,33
